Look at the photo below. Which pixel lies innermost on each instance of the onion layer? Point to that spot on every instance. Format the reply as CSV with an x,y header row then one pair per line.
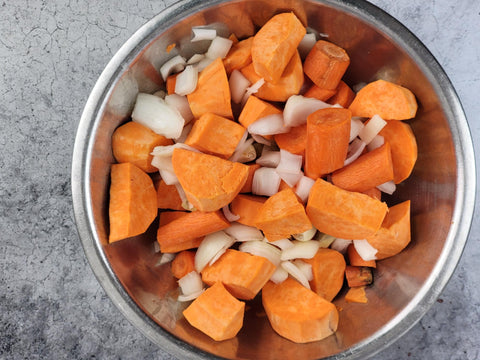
x,y
210,246
261,248
365,250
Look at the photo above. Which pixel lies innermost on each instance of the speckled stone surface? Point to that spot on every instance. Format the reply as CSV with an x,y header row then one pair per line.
x,y
51,53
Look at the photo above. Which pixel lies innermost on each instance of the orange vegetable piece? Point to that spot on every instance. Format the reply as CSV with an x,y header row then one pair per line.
x,y
170,47
328,134
394,234
247,207
216,135
355,259
209,182
170,83
289,83
344,95
390,101
358,275
242,274
282,215
344,214
212,93
403,148
133,202
297,313
326,64
294,141
184,233
369,170
356,295
216,313
239,56
167,197
374,193
133,143
247,187
255,109
318,93
167,216
183,264
274,45
328,268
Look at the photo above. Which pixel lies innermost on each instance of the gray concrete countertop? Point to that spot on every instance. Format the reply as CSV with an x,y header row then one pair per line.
x,y
51,53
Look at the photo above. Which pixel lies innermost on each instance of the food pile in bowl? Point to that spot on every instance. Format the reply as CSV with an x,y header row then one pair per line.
x,y
263,172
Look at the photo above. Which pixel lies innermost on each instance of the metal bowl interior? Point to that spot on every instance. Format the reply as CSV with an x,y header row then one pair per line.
x,y
441,187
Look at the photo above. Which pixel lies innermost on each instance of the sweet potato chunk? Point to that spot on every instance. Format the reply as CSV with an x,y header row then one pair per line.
x,y
247,207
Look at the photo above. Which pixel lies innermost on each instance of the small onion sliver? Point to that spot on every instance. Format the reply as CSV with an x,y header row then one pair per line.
x,y
376,142
229,215
261,248
355,127
190,283
340,245
186,81
305,268
266,182
241,232
372,128
238,86
301,249
389,187
283,243
306,44
306,235
210,246
203,33
366,251
269,158
289,178
174,65
279,276
202,64
303,187
219,48
261,140
253,90
181,104
242,148
355,149
289,163
190,297
195,58
269,125
298,107
295,272
168,177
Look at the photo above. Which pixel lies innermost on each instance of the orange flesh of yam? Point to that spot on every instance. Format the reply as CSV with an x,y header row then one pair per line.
x,y
215,135
294,141
133,202
133,143
374,193
256,109
328,268
343,96
247,187
242,274
212,93
282,215
344,214
357,295
274,45
297,313
394,235
318,93
358,275
167,197
209,182
355,259
183,264
239,56
216,313
390,101
247,207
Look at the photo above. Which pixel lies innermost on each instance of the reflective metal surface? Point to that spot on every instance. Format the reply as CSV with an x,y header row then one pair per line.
x,y
442,186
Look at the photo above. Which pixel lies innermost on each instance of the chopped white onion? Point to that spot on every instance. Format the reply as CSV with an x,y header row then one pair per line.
x,y
181,104
190,283
305,268
377,141
238,86
241,232
289,163
202,33
195,58
261,140
283,243
186,81
389,187
193,296
154,113
298,107
301,250
202,64
166,258
268,125
229,215
185,203
306,235
306,44
289,178
253,89
210,246
365,250
269,158
162,155
279,276
340,245
168,177
265,182
355,127
325,240
156,247
174,65
303,187
355,149
160,94
183,136
295,272
372,128
261,248
245,151
219,48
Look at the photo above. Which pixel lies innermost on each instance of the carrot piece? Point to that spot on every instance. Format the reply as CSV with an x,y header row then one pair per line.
x,y
212,93
289,83
394,234
183,264
344,95
403,147
319,93
374,193
167,197
133,143
255,109
184,233
247,207
297,313
282,215
328,134
170,83
357,295
242,274
355,259
247,187
274,45
390,101
369,170
133,202
328,268
294,141
325,64
358,275
344,214
168,216
215,135
216,313
239,56
209,182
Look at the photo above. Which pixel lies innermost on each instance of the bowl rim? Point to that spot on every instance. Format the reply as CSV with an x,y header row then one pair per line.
x,y
465,176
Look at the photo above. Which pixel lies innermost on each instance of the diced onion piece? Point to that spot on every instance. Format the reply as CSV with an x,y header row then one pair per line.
x,y
202,33
372,128
160,94
245,151
305,268
168,177
365,250
306,44
154,113
377,141
265,182
283,243
303,187
156,247
295,272
389,187
162,155
193,296
190,283
238,86
166,258
181,104
174,65
249,154
289,178
219,48
210,246
355,149
185,203
261,248
340,245
261,140
325,240
301,250
186,81
279,276
252,90
306,235
298,107
202,64
268,125
269,158
355,127
229,215
241,232
289,163
183,136
195,58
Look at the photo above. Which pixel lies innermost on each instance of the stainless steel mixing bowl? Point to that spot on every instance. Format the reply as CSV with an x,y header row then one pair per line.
x,y
442,186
